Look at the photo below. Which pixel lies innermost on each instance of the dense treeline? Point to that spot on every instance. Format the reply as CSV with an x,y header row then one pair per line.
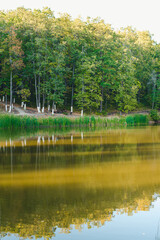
x,y
86,65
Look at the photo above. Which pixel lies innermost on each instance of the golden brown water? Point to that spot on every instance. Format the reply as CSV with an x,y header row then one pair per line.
x,y
55,183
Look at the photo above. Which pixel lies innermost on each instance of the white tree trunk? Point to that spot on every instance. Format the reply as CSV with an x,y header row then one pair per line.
x,y
38,108
11,92
81,113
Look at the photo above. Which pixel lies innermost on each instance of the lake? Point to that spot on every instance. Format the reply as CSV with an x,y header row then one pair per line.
x,y
102,184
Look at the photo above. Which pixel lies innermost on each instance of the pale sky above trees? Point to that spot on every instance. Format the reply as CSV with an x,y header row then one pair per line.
x,y
140,14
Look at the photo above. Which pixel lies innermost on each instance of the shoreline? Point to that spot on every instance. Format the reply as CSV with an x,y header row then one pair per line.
x,y
11,121
32,112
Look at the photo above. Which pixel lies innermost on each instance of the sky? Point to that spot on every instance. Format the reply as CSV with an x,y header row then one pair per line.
x,y
140,14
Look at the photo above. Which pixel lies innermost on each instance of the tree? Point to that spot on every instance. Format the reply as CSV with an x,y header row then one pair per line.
x,y
126,96
13,57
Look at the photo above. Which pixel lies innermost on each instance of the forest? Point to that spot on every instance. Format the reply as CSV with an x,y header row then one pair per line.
x,y
69,64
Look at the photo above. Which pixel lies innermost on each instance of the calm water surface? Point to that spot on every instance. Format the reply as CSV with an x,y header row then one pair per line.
x,y
86,185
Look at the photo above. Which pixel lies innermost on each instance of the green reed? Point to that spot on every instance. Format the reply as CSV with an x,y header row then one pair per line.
x,y
137,119
14,122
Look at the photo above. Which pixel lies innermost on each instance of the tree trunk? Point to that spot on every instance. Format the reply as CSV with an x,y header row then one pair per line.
x,y
82,97
82,88
37,89
72,89
153,100
53,108
106,105
35,79
11,86
101,105
6,104
39,93
43,103
49,106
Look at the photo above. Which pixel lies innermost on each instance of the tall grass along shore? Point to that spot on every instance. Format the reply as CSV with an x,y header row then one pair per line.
x,y
16,122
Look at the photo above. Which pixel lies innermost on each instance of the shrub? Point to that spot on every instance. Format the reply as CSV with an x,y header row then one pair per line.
x,y
154,115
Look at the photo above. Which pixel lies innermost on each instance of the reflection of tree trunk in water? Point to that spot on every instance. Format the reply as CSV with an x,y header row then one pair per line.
x,y
37,163
43,158
11,154
39,147
36,158
0,216
157,237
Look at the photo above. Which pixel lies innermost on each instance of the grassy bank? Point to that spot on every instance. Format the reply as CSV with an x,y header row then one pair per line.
x,y
18,122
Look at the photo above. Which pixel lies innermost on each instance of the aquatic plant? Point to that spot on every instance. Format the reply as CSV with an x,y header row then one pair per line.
x,y
137,119
14,122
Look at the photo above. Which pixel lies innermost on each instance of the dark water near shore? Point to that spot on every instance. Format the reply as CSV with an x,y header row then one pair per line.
x,y
81,185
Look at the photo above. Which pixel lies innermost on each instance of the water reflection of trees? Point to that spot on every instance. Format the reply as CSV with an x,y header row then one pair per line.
x,y
58,152
39,211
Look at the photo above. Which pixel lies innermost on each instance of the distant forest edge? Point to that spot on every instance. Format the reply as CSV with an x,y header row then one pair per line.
x,y
60,63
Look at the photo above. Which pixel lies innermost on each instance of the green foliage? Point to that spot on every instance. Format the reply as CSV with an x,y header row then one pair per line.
x,y
85,64
154,115
25,94
137,119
